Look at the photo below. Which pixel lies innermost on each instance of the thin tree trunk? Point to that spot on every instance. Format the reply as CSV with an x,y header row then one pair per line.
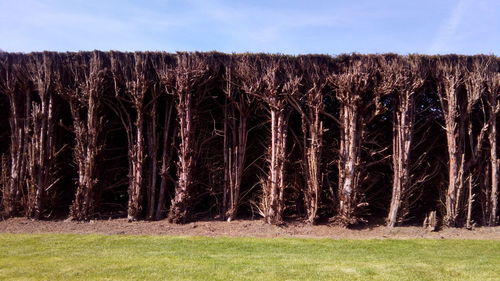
x,y
137,156
235,142
273,174
494,161
153,150
275,185
41,155
15,182
166,158
468,223
240,163
402,137
227,163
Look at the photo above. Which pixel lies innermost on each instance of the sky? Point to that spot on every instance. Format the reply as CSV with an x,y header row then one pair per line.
x,y
272,26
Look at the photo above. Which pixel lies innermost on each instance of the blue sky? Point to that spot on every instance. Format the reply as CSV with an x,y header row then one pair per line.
x,y
292,27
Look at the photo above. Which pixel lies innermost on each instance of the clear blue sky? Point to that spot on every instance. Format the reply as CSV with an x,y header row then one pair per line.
x,y
292,27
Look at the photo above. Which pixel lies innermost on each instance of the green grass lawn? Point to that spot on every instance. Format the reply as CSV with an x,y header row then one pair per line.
x,y
100,257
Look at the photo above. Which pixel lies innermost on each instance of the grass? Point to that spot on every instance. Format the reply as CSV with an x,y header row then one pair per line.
x,y
120,257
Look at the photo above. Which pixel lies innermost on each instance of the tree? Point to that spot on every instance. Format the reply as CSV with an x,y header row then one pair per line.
x,y
191,78
84,94
450,75
493,94
281,81
352,87
165,69
43,70
405,78
132,79
14,85
238,107
310,106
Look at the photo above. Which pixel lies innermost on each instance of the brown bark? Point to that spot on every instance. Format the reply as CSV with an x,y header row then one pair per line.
x,y
237,109
191,76
313,148
450,78
493,83
132,72
165,70
41,145
475,83
85,103
277,88
352,85
166,159
152,147
14,183
208,105
405,79
401,155
310,107
273,191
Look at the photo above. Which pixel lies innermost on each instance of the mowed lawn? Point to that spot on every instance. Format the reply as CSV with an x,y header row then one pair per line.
x,y
120,257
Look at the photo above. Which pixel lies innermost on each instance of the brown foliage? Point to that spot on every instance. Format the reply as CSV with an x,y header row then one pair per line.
x,y
209,112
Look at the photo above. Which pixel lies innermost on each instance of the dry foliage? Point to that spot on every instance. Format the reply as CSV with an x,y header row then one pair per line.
x,y
353,137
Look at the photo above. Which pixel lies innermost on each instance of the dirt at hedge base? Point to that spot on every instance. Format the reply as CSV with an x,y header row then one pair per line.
x,y
239,228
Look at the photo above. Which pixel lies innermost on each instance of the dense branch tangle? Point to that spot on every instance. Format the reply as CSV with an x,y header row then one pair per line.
x,y
84,94
406,79
353,85
194,125
239,105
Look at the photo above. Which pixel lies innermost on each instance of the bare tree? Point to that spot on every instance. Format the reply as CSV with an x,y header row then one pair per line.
x,y
310,106
206,111
493,94
191,77
475,84
132,72
405,78
165,69
237,110
352,85
449,79
43,72
84,94
13,85
280,80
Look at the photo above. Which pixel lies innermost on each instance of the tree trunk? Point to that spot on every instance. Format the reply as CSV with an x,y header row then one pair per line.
x,y
275,186
454,125
235,143
348,165
168,142
455,172
152,156
86,149
17,178
41,155
178,208
402,138
137,160
470,200
313,143
494,161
